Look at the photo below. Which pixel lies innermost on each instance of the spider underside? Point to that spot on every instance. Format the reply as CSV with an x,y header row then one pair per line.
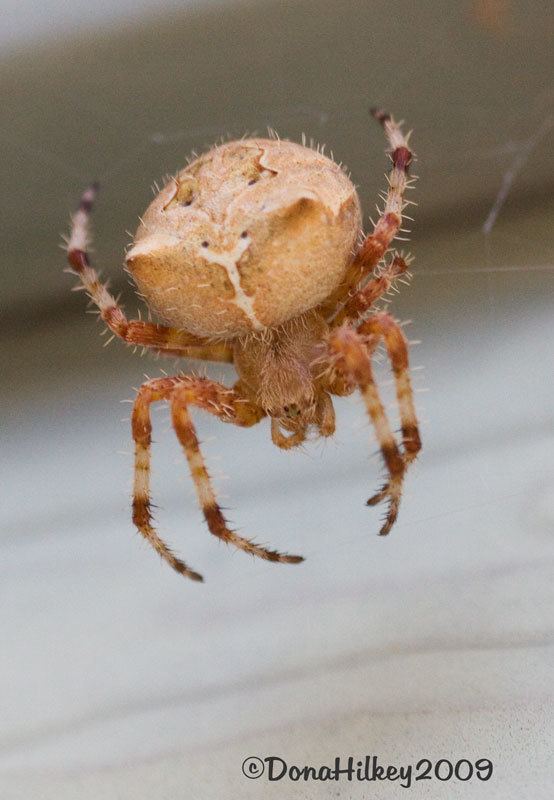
x,y
287,373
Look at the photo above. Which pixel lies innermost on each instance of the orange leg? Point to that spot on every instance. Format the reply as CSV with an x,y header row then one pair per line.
x,y
383,326
135,332
350,357
151,392
227,405
376,244
375,288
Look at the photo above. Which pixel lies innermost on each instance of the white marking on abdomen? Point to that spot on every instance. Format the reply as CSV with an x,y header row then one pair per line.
x,y
229,260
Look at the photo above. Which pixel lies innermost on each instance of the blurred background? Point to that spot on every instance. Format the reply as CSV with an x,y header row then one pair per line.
x,y
120,679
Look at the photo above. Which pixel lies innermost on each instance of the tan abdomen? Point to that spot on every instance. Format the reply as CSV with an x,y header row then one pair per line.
x,y
248,236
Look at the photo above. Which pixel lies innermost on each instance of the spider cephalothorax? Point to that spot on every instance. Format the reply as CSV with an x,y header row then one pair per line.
x,y
251,255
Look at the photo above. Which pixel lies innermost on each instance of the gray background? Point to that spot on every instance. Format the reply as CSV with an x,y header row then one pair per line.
x,y
119,678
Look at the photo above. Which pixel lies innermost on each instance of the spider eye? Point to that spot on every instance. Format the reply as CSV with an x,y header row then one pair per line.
x,y
244,234
205,243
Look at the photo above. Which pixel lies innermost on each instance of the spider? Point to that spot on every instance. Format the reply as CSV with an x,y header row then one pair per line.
x,y
253,254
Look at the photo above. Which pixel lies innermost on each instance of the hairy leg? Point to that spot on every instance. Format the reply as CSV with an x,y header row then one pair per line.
x,y
135,332
383,326
151,392
228,406
377,286
376,244
350,356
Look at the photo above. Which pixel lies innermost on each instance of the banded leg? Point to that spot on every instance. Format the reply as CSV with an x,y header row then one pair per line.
x,y
149,393
383,326
228,406
135,332
376,244
374,289
351,358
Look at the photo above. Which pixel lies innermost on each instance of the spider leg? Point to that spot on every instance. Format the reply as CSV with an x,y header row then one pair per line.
x,y
350,357
383,326
375,288
228,406
135,332
151,392
376,244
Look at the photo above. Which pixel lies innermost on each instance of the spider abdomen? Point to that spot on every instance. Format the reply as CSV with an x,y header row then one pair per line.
x,y
249,235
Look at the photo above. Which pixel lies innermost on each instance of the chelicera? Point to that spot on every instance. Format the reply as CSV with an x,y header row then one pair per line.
x,y
253,255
